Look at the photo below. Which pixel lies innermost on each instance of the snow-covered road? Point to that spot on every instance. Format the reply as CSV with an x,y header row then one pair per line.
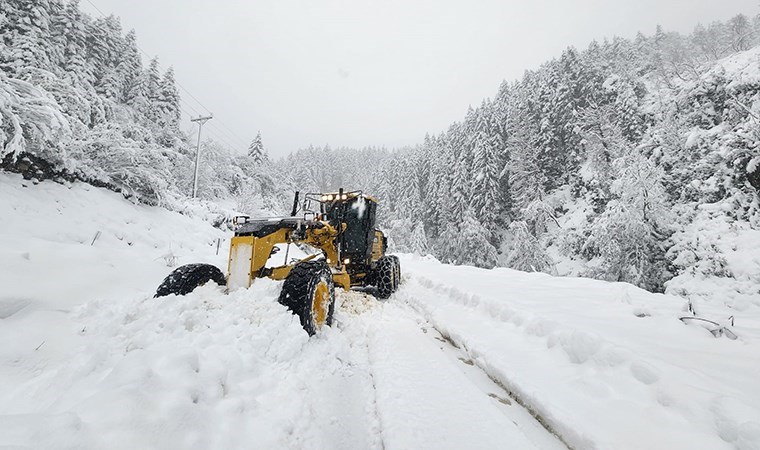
x,y
429,394
458,358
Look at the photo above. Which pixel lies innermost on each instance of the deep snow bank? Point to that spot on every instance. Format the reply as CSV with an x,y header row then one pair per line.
x,y
47,253
90,360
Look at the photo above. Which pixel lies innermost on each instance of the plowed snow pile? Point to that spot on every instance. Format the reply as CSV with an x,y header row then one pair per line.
x,y
90,360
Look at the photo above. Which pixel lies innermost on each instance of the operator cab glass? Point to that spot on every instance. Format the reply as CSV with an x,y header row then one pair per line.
x,y
358,213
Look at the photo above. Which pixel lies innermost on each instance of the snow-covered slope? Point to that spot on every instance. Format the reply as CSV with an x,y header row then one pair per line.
x,y
91,360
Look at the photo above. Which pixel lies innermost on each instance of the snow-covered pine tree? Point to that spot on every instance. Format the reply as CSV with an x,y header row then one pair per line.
x,y
409,201
131,69
256,150
104,46
603,141
152,86
418,242
467,243
487,167
630,235
70,32
459,183
438,195
528,252
168,102
525,176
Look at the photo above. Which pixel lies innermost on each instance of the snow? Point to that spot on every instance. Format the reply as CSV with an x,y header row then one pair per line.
x,y
742,69
753,164
360,206
240,266
723,261
459,357
607,365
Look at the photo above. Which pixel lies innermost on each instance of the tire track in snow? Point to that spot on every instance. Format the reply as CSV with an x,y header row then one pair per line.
x,y
474,362
352,305
535,425
426,400
459,345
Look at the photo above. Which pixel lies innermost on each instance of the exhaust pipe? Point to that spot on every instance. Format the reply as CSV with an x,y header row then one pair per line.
x,y
295,205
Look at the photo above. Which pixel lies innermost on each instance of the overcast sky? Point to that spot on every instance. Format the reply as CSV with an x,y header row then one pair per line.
x,y
360,72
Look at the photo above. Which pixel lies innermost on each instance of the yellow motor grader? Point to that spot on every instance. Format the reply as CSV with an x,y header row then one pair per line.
x,y
348,251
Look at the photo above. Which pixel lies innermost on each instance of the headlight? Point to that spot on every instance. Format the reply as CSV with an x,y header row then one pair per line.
x,y
323,198
328,261
345,197
347,260
329,198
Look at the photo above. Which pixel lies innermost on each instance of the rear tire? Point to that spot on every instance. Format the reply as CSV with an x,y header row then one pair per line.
x,y
183,280
385,277
309,293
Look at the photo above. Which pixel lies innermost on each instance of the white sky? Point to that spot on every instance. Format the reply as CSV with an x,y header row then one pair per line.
x,y
361,72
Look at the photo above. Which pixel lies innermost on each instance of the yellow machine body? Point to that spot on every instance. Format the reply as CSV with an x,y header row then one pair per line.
x,y
255,241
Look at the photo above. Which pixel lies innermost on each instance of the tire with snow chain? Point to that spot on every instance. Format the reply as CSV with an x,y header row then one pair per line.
x,y
397,271
385,277
309,293
183,280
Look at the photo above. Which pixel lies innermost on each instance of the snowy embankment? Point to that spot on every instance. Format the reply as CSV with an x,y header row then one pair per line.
x,y
607,365
91,360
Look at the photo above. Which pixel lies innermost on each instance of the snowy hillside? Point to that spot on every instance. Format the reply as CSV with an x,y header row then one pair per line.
x,y
93,361
611,162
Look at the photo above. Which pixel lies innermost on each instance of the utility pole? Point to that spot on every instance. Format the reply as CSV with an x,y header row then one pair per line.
x,y
201,121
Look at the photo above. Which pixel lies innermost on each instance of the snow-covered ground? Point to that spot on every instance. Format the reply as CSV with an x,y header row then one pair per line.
x,y
90,360
607,365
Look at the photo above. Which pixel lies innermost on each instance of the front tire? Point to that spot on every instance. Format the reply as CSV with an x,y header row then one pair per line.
x,y
309,293
183,280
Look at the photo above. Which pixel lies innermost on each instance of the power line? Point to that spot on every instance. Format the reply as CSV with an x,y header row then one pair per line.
x,y
208,111
240,143
226,142
189,106
96,8
233,133
217,136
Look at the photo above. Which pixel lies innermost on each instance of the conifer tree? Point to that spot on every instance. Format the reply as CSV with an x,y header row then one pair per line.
x,y
409,200
153,80
419,243
256,150
487,167
527,253
629,234
25,31
70,32
151,83
130,69
168,101
467,243
104,45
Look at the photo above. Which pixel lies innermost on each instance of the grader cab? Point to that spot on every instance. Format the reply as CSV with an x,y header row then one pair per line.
x,y
346,250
